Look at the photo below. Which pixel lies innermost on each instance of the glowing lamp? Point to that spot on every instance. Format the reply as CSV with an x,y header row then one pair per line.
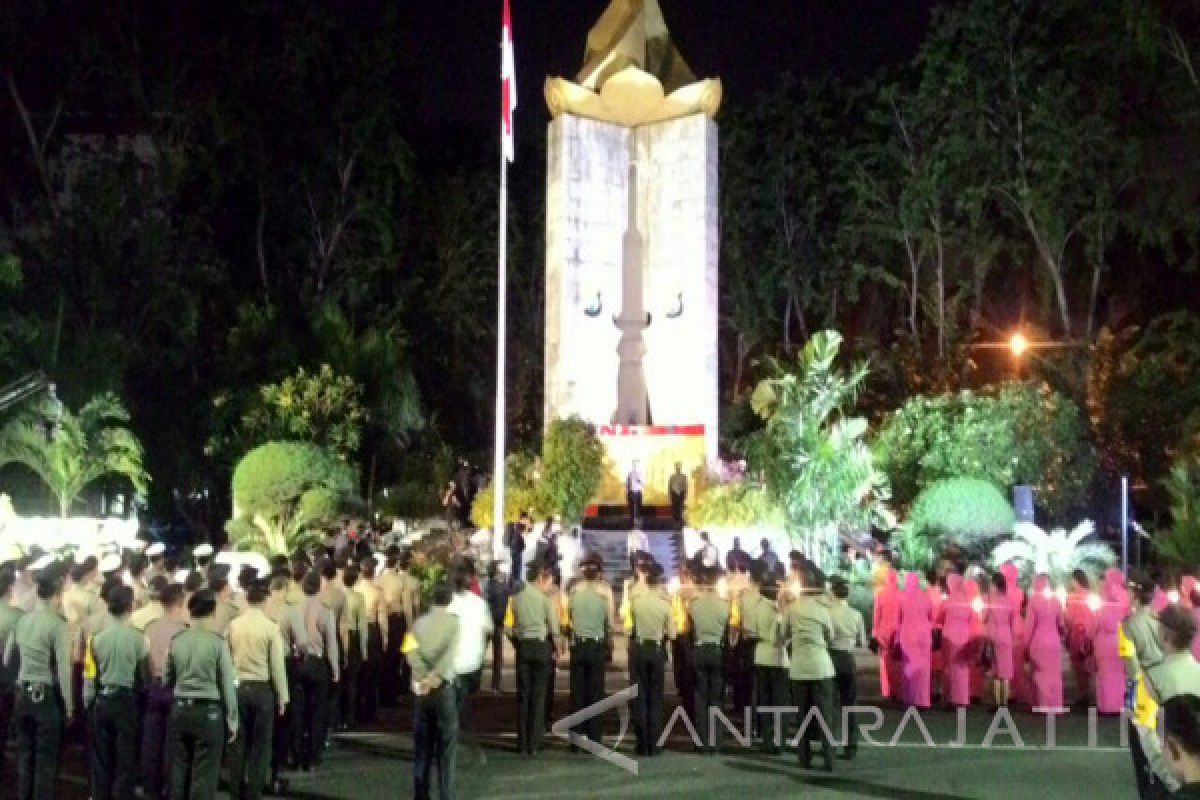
x,y
1061,594
673,585
1094,602
1048,593
1173,596
1018,344
723,588
977,605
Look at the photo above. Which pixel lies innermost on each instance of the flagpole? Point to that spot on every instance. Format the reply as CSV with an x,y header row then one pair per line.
x,y
501,326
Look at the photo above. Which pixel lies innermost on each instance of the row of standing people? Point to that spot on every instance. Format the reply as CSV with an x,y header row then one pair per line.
x,y
167,678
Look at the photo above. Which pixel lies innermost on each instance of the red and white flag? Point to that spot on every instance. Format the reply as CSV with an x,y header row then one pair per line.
x,y
508,82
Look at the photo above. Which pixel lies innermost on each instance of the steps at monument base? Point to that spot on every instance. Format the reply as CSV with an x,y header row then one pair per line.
x,y
616,518
666,547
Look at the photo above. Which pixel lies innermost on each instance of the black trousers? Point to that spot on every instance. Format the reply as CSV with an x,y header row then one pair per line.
x,y
497,657
685,673
435,741
393,676
197,739
634,499
770,690
250,753
741,675
807,695
649,667
39,719
155,724
677,502
846,682
710,690
8,699
368,678
588,660
114,744
533,670
1148,785
348,692
311,705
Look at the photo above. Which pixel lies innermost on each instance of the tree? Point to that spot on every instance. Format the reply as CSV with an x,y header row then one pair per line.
x,y
1180,544
322,408
1056,554
285,493
522,474
68,452
1010,434
572,467
813,454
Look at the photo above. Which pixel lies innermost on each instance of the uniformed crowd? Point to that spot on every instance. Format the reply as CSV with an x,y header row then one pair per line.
x,y
167,672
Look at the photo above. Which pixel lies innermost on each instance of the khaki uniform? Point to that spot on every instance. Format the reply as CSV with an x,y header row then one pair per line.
x,y
256,647
762,627
122,661
653,624
435,726
398,607
375,645
148,613
532,620
200,669
160,702
809,629
42,643
589,609
709,618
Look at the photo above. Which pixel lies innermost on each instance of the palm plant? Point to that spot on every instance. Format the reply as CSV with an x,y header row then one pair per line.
x,y
69,452
813,454
1057,553
1180,544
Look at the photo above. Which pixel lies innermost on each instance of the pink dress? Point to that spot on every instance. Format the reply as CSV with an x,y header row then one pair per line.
x,y
1081,630
937,668
1110,670
957,620
1021,690
975,646
885,620
916,641
1046,627
998,618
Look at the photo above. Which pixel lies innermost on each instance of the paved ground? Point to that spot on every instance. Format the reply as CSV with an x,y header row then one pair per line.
x,y
901,764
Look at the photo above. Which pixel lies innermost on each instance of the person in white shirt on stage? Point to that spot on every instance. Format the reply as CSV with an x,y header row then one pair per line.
x,y
634,484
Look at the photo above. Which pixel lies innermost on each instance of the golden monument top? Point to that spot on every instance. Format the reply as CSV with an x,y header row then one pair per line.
x,y
632,73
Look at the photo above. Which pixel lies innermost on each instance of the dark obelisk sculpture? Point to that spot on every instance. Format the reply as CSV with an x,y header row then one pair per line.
x,y
633,402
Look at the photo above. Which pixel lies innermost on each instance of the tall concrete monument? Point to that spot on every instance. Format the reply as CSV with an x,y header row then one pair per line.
x,y
631,249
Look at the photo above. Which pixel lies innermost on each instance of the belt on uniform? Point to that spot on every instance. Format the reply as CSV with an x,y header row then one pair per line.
x,y
37,690
708,644
533,640
108,691
196,701
652,642
588,640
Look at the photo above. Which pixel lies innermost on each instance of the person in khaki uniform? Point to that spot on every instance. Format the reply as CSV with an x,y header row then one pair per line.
x,y
120,663
319,667
653,625
532,624
849,634
290,619
376,641
761,627
399,608
682,645
352,636
709,617
141,618
430,649
809,630
10,614
256,647
41,644
590,611
205,716
227,609
160,699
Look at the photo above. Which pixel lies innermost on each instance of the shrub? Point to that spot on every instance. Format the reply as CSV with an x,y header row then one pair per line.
x,y
1057,553
735,505
1181,544
967,511
572,467
521,474
285,493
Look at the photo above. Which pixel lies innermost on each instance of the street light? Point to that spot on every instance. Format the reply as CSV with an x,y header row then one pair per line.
x,y
1018,344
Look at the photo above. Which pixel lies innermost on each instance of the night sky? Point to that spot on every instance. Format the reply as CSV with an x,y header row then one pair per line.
x,y
747,43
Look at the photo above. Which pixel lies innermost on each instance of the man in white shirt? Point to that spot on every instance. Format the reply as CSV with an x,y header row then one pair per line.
x,y
634,484
474,627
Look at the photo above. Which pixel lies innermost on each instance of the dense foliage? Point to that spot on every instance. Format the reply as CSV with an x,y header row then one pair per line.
x,y
285,494
813,453
965,511
572,467
1180,544
739,504
1012,434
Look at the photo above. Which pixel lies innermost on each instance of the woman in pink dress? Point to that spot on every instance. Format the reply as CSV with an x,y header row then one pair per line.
x,y
1046,627
957,619
1081,629
915,636
1110,669
937,669
885,620
1116,579
998,619
1020,689
978,680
